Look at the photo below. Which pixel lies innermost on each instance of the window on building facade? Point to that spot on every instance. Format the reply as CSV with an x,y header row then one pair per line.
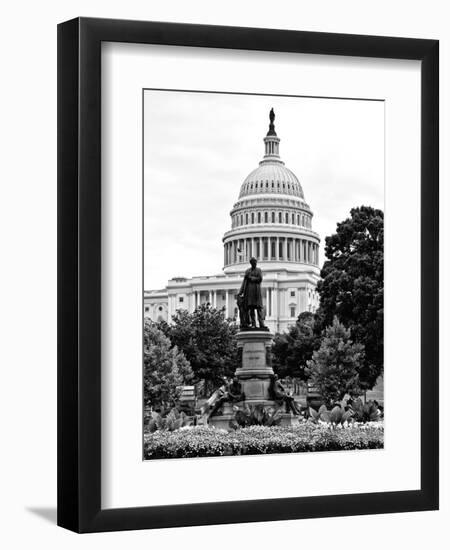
x,y
181,299
273,217
292,293
266,217
259,217
292,311
147,309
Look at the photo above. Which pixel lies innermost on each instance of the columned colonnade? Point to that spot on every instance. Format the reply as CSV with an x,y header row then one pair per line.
x,y
289,249
270,298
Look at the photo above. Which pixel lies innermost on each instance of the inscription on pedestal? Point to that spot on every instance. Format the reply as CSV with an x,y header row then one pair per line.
x,y
255,389
254,355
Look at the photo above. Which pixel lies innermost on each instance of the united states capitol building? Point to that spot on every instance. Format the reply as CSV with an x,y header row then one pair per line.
x,y
271,221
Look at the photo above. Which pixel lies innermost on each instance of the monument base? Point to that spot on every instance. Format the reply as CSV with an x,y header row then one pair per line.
x,y
255,375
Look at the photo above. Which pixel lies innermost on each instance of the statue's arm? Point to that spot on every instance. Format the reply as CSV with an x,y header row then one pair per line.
x,y
244,282
257,277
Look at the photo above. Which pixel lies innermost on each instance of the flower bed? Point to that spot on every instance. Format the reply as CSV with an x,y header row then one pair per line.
x,y
307,437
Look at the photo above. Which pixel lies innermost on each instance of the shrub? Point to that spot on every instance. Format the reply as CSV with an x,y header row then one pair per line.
x,y
165,368
306,437
256,416
365,412
334,367
173,421
336,416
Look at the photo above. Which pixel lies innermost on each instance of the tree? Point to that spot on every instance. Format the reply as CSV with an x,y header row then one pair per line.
x,y
335,366
291,350
207,340
352,285
165,368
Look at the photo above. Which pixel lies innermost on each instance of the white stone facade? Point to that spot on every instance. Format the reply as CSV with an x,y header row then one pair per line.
x,y
272,222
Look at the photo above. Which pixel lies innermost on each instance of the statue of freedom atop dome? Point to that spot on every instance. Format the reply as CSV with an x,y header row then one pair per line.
x,y
250,298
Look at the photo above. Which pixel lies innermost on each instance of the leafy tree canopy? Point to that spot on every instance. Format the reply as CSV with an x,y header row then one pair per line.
x,y
165,368
207,340
335,366
291,350
352,285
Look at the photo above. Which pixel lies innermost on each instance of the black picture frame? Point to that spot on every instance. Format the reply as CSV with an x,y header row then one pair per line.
x,y
79,274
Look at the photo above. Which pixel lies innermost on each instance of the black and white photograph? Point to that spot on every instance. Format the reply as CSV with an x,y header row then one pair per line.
x,y
263,255
225,288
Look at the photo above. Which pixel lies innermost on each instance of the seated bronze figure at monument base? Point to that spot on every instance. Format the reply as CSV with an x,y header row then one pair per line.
x,y
281,396
229,392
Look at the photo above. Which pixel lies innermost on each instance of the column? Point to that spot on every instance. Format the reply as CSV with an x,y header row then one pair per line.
x,y
277,248
285,249
253,247
275,305
227,314
269,248
214,299
269,302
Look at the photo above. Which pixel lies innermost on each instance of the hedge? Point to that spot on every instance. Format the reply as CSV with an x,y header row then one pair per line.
x,y
254,440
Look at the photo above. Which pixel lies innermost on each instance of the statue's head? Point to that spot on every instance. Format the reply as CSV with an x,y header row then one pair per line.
x,y
253,261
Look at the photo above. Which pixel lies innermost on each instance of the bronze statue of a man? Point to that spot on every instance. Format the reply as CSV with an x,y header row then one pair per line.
x,y
250,298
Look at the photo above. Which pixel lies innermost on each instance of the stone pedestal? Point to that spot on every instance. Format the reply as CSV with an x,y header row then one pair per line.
x,y
255,375
255,370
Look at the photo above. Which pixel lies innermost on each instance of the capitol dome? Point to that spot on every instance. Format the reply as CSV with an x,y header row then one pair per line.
x,y
271,177
271,220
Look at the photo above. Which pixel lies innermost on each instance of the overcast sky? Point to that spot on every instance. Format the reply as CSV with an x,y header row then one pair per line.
x,y
199,147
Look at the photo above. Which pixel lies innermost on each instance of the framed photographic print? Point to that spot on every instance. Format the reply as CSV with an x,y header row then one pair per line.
x,y
248,275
